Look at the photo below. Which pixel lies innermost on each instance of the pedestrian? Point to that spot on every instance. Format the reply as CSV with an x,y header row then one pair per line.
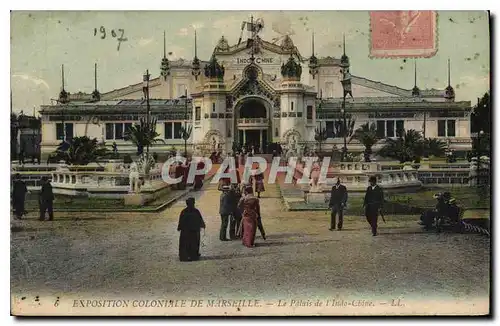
x,y
250,207
235,220
19,191
259,184
198,179
225,210
190,224
46,200
338,201
373,203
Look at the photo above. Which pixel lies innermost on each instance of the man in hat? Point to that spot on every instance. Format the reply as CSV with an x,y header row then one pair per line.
x,y
373,203
235,221
46,199
338,200
227,199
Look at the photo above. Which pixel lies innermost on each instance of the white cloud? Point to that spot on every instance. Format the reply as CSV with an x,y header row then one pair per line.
x,y
145,41
37,81
183,31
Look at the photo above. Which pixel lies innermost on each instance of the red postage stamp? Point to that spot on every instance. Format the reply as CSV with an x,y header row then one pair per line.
x,y
402,34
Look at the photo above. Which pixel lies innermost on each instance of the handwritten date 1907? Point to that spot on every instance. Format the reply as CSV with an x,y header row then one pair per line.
x,y
120,38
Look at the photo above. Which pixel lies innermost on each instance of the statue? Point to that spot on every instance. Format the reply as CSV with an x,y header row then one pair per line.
x,y
315,173
134,178
214,144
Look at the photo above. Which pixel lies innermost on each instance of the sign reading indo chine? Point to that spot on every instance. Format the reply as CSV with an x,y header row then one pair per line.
x,y
258,60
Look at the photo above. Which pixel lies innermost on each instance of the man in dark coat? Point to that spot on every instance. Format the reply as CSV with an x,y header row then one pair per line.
x,y
19,191
373,203
227,199
190,224
46,199
338,200
234,224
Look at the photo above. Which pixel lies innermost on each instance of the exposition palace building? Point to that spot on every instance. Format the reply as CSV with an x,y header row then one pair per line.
x,y
255,92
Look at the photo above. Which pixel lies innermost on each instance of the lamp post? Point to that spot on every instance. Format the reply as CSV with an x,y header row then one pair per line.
x,y
145,89
346,85
185,121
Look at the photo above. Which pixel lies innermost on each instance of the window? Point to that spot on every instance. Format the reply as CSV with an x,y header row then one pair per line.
x,y
168,130
329,129
309,112
381,128
276,132
291,106
390,128
213,107
117,130
181,90
400,128
173,130
60,133
446,128
197,113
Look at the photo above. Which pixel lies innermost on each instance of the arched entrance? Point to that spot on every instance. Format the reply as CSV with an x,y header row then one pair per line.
x,y
252,122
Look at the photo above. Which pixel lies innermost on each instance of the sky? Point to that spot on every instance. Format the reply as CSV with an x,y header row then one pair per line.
x,y
41,41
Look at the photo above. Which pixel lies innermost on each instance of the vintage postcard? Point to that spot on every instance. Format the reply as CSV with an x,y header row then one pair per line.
x,y
266,163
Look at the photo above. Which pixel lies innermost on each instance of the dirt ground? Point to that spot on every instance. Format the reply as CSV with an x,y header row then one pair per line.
x,y
137,254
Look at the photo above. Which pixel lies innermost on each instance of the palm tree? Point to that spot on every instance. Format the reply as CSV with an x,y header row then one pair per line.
x,y
320,135
434,147
367,135
81,151
143,135
185,134
406,148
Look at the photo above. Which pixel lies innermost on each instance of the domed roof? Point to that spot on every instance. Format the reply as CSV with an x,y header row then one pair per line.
x,y
222,45
344,60
415,91
449,92
213,69
287,43
291,69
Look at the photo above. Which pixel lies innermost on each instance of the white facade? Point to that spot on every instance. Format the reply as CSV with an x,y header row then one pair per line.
x,y
253,102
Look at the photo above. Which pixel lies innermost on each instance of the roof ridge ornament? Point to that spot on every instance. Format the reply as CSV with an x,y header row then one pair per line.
x,y
214,70
165,64
449,93
292,69
415,91
63,95
313,61
195,71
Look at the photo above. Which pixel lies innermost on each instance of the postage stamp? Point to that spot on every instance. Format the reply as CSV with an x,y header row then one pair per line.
x,y
397,34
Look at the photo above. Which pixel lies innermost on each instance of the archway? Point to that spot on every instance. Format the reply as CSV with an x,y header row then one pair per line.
x,y
252,123
253,108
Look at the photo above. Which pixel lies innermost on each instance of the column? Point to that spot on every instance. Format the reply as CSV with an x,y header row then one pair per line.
x,y
261,139
244,137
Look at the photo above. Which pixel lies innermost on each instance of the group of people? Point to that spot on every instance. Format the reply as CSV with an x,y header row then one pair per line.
x,y
446,207
45,198
239,210
181,170
372,204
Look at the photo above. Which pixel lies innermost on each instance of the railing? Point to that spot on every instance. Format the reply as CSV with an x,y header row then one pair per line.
x,y
253,121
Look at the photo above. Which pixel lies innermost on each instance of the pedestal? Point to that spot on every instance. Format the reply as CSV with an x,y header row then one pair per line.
x,y
134,200
315,197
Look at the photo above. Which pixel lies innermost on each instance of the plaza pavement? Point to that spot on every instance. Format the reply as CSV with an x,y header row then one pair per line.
x,y
129,254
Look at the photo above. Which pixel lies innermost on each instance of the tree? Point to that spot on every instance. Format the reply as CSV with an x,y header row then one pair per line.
x,y
143,135
320,135
406,148
14,130
81,151
481,126
185,134
433,147
367,135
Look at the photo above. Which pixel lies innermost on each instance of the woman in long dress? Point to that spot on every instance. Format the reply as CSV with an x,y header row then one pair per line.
x,y
198,179
259,184
190,224
250,208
